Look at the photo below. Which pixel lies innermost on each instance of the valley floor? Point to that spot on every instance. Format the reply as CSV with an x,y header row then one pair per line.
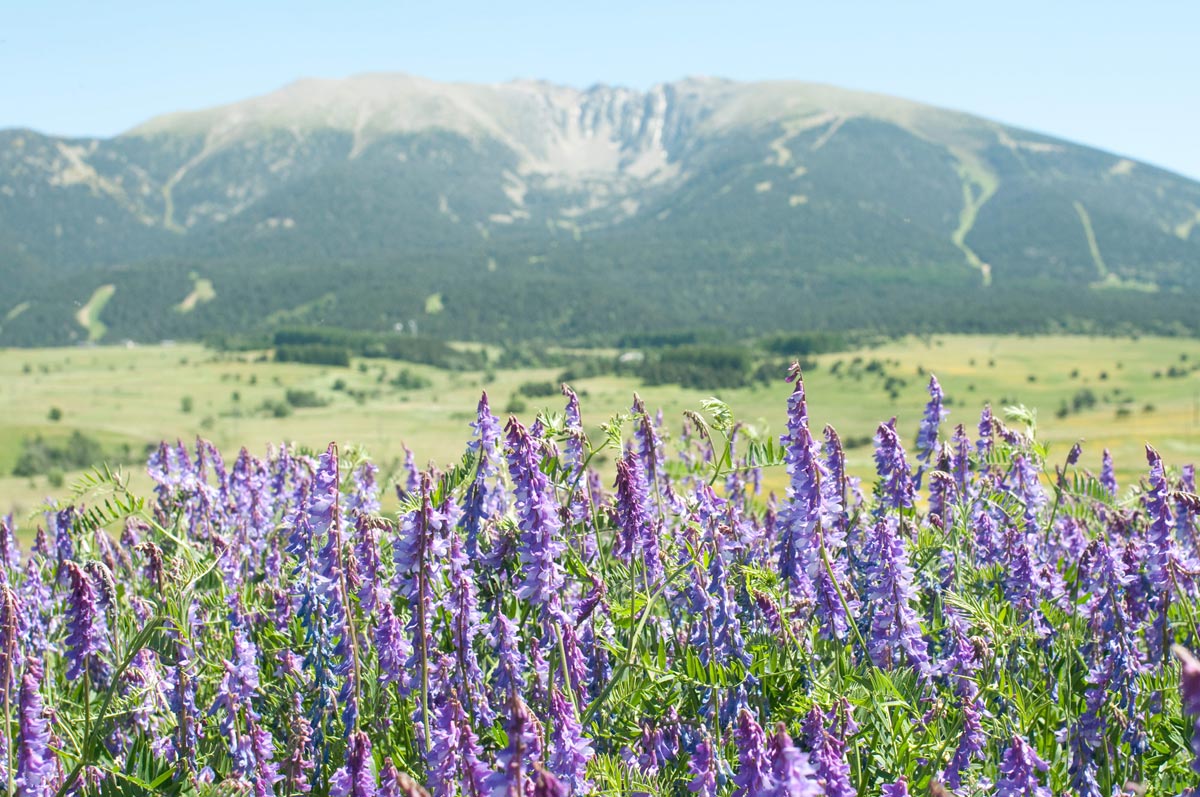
x,y
1118,393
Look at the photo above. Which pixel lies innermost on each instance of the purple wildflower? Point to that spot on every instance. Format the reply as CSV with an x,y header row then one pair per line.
x,y
371,589
927,434
895,628
1074,454
394,648
36,603
183,705
1189,685
942,491
659,743
792,774
1187,510
588,603
596,656
142,684
485,496
364,498
962,666
59,524
239,684
1021,583
10,555
412,475
36,766
569,749
87,628
11,654
453,761
987,430
649,449
1018,772
1108,477
545,784
298,765
703,766
511,663
970,743
1022,481
355,778
575,437
524,748
753,772
718,637
810,536
462,607
394,783
770,612
266,771
418,551
389,780
835,465
537,516
1162,555
798,518
829,754
895,481
576,457
635,529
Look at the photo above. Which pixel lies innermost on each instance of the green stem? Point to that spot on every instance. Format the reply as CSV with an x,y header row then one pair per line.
x,y
8,660
625,664
566,674
343,588
92,740
726,456
87,696
420,609
842,598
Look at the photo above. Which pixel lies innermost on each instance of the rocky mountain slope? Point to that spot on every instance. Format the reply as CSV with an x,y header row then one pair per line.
x,y
529,210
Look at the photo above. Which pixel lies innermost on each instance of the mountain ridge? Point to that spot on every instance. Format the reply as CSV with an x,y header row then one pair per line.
x,y
780,181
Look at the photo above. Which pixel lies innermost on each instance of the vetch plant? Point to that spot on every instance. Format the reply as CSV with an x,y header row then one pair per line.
x,y
978,623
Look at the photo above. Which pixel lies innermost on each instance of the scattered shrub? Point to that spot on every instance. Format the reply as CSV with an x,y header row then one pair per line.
x,y
538,389
410,380
304,399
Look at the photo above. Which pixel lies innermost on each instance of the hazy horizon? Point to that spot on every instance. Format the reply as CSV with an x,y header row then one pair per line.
x,y
1093,73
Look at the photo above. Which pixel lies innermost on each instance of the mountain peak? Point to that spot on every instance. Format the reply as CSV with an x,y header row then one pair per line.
x,y
776,192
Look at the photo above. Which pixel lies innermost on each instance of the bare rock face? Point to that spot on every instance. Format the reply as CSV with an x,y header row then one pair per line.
x,y
595,147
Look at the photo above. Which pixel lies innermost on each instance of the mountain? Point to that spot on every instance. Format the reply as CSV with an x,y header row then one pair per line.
x,y
527,210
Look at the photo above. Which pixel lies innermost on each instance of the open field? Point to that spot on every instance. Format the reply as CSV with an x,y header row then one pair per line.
x,y
135,396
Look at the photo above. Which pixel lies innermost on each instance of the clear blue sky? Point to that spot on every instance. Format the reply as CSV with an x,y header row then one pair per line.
x,y
1124,76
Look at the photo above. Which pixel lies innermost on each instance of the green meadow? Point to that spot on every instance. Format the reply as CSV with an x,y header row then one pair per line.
x,y
1108,392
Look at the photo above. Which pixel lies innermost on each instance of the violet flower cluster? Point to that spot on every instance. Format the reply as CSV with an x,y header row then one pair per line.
x,y
558,615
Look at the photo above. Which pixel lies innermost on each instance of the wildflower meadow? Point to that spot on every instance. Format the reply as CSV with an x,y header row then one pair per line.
x,y
986,618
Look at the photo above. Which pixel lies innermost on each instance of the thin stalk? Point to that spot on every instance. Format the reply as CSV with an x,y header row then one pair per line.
x,y
845,604
91,738
87,696
343,588
1059,484
10,635
1187,607
420,609
625,664
726,456
583,469
7,728
566,674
